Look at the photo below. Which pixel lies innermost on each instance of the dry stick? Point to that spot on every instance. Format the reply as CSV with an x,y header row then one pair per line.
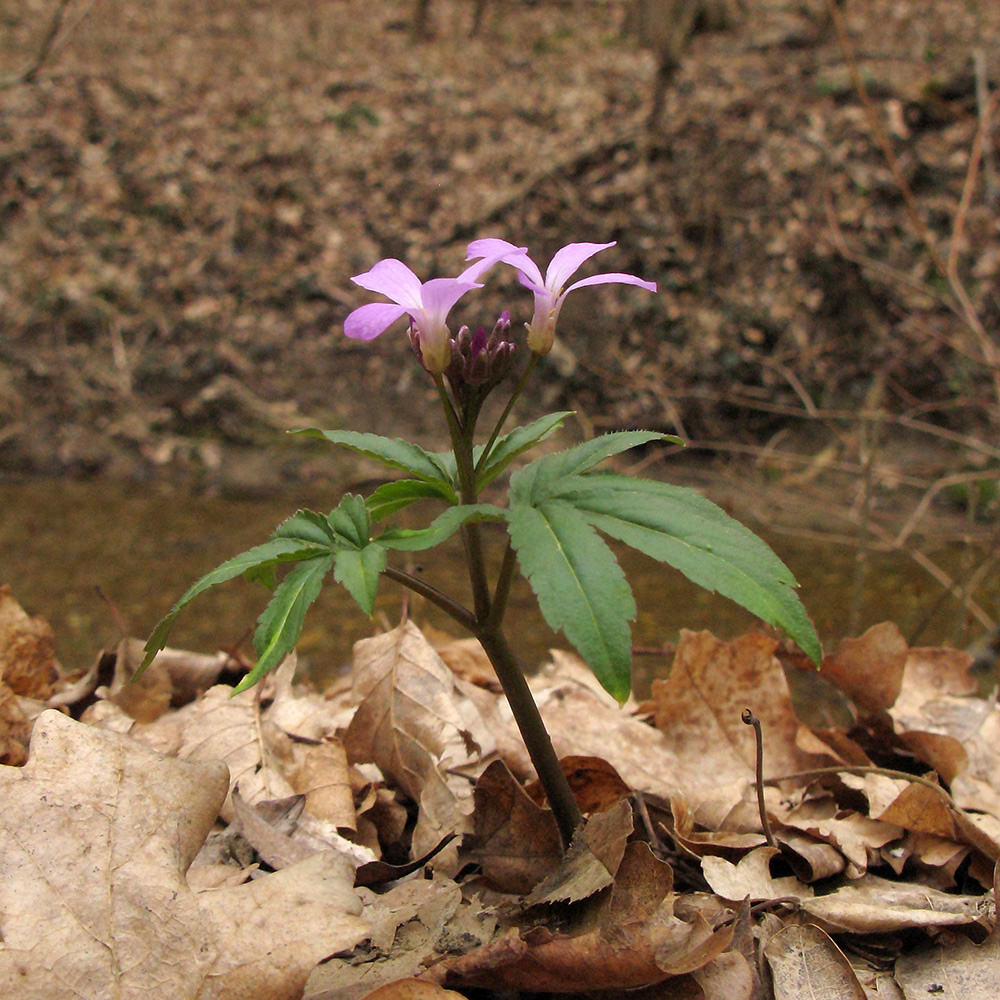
x,y
751,720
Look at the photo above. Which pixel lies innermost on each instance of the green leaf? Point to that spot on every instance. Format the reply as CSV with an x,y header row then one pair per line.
x,y
581,589
350,522
277,550
505,449
306,525
280,624
395,453
680,527
359,570
442,527
539,480
394,496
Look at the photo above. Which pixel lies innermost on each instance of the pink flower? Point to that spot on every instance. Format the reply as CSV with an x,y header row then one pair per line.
x,y
551,291
426,303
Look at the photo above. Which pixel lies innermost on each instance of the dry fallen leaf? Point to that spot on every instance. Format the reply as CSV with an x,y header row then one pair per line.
x,y
869,669
516,841
98,833
412,989
751,877
28,663
699,707
954,966
410,722
805,963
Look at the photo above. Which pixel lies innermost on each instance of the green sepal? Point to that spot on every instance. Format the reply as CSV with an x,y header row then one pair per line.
x,y
260,557
395,453
679,526
442,527
394,496
580,587
280,624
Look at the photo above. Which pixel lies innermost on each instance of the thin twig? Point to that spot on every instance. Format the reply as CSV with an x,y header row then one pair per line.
x,y
751,720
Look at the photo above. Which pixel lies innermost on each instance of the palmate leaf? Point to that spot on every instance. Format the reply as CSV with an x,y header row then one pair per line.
x,y
506,448
580,587
395,453
259,558
350,522
359,571
537,481
280,623
442,527
394,496
680,527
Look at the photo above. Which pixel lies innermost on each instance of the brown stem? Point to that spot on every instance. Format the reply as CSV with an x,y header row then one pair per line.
x,y
533,732
460,614
751,720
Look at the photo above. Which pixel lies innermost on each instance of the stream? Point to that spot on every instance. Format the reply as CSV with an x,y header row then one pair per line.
x,y
86,555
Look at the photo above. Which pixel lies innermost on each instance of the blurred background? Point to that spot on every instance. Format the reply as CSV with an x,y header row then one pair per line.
x,y
187,187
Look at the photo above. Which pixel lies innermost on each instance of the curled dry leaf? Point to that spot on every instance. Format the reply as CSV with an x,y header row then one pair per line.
x,y
98,833
410,723
515,841
28,664
876,905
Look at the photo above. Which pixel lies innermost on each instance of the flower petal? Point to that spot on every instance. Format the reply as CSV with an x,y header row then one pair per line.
x,y
367,322
440,294
507,252
394,279
489,247
613,277
567,261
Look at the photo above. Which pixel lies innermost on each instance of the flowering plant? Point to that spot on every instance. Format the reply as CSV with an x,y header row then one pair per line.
x,y
557,506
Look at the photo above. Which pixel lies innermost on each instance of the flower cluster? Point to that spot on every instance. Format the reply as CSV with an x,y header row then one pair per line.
x,y
428,303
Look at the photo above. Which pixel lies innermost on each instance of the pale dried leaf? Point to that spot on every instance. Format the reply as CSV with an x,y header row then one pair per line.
x,y
807,965
728,977
98,835
409,721
752,877
876,905
592,860
699,708
321,773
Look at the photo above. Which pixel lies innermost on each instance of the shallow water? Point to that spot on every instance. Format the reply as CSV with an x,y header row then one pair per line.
x,y
82,554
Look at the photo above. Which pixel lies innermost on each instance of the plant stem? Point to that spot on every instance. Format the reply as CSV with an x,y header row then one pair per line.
x,y
462,615
533,732
506,410
486,622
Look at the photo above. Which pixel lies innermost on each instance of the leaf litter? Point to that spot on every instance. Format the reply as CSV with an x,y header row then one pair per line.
x,y
386,834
